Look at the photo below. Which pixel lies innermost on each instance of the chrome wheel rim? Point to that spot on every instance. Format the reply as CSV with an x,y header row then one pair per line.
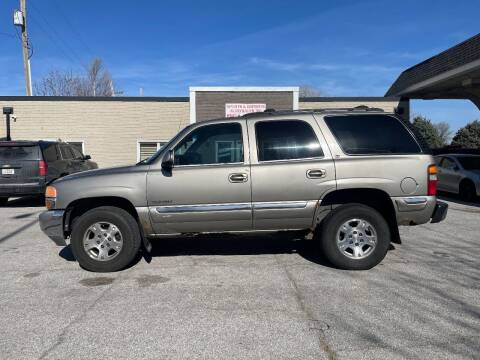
x,y
356,238
103,241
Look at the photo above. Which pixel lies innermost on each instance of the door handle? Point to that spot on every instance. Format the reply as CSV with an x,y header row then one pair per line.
x,y
316,173
238,178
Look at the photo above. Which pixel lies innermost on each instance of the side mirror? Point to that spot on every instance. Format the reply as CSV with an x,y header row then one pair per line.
x,y
167,161
87,157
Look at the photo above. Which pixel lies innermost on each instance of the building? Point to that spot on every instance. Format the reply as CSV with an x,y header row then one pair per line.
x,y
451,74
124,130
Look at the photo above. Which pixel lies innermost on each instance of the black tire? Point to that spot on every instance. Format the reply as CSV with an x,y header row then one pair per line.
x,y
331,226
128,228
3,201
467,190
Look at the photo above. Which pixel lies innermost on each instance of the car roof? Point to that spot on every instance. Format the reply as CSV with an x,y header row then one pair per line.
x,y
26,142
460,154
272,113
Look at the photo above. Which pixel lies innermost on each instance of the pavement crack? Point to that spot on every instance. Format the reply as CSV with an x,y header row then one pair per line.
x,y
316,325
62,336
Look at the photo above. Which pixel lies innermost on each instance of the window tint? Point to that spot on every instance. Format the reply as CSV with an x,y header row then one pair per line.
x,y
372,134
76,153
50,153
77,145
470,162
286,140
211,144
448,163
66,152
19,153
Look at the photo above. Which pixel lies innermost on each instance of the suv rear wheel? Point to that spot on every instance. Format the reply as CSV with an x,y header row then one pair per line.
x,y
355,237
105,239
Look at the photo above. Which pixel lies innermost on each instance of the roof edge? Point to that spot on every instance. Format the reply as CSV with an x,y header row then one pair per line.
x,y
97,98
349,98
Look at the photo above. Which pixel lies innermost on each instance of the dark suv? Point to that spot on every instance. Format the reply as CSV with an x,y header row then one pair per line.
x,y
26,167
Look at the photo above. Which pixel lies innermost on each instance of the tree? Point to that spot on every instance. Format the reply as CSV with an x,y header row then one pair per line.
x,y
96,81
468,136
444,132
309,91
428,131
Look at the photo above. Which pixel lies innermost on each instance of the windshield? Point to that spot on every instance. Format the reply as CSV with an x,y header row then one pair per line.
x,y
18,153
470,162
161,151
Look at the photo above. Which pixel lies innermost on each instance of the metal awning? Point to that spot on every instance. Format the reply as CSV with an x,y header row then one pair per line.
x,y
452,74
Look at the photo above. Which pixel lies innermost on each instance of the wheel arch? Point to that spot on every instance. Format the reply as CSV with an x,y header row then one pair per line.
x,y
374,198
78,207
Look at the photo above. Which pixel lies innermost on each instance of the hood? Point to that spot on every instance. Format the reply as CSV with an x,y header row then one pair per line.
x,y
103,172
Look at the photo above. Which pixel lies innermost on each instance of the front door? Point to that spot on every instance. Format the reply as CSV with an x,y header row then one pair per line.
x,y
209,186
291,169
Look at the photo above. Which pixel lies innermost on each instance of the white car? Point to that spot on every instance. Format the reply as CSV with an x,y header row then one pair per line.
x,y
459,174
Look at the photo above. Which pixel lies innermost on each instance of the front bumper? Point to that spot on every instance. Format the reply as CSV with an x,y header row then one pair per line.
x,y
51,223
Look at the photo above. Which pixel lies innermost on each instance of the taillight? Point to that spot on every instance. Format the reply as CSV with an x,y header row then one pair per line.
x,y
42,168
432,180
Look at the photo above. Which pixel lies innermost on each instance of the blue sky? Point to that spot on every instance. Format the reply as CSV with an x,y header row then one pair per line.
x,y
343,48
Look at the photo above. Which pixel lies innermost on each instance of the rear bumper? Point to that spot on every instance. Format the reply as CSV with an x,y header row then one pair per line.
x,y
416,210
51,223
10,190
440,212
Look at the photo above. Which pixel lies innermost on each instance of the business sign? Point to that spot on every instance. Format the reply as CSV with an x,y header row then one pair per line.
x,y
235,110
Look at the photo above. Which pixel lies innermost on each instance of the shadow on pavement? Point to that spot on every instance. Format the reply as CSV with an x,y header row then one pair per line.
x,y
66,253
228,245
27,201
456,199
19,230
236,245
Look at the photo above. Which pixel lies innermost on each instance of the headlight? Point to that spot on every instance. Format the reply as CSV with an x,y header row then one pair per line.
x,y
50,197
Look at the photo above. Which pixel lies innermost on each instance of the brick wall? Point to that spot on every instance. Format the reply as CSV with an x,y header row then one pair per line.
x,y
211,105
110,129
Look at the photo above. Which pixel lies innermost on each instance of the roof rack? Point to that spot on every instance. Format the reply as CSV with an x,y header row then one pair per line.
x,y
360,108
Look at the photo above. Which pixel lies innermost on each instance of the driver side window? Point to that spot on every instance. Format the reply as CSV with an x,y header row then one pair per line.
x,y
211,144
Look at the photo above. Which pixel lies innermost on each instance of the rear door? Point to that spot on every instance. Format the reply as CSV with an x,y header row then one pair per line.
x,y
291,169
19,164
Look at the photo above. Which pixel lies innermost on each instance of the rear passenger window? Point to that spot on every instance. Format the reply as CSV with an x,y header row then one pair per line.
x,y
66,152
50,153
372,134
286,140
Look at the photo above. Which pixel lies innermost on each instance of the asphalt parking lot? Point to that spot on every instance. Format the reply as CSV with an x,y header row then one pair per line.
x,y
242,298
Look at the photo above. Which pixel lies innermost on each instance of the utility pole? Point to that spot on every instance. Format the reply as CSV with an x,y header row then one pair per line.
x,y
20,19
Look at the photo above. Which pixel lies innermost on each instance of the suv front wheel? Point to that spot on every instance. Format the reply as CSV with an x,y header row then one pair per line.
x,y
105,239
355,237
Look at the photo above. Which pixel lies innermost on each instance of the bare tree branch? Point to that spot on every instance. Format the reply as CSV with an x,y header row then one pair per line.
x,y
309,91
97,81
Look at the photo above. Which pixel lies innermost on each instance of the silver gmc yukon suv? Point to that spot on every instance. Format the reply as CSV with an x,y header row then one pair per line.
x,y
346,178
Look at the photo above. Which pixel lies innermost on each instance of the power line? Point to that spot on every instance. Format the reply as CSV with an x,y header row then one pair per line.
x,y
74,56
73,28
56,43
